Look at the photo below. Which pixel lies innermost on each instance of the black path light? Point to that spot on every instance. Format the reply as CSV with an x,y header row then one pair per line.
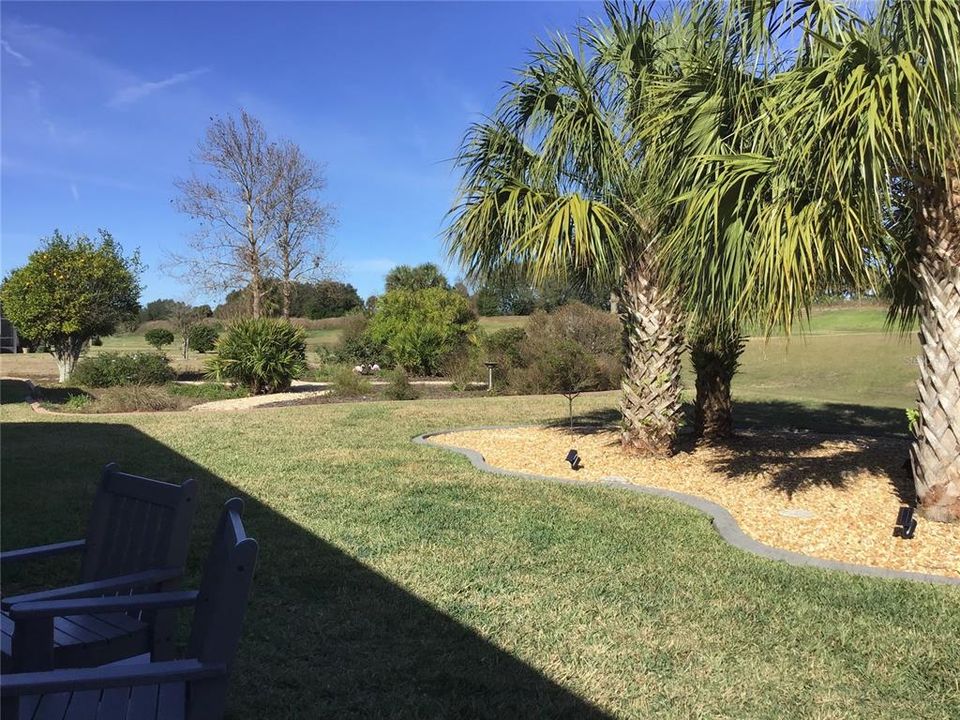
x,y
574,459
906,524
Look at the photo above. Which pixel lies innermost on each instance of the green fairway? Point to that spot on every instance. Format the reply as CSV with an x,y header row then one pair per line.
x,y
397,581
491,324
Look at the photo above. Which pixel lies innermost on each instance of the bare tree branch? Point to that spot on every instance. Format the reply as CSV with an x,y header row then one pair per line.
x,y
234,202
301,222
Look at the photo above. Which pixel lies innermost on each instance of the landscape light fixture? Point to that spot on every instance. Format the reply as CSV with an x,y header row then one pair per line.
x,y
574,459
906,524
490,367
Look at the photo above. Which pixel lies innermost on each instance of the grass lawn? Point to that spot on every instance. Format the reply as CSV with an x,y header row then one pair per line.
x,y
397,581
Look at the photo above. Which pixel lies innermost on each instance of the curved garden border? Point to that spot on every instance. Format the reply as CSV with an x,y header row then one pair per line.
x,y
722,520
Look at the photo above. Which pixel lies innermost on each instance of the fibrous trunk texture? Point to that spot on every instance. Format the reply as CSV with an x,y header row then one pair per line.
x,y
935,455
715,349
650,401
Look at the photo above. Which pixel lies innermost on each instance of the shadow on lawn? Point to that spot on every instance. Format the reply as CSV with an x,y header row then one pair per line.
x,y
324,634
781,432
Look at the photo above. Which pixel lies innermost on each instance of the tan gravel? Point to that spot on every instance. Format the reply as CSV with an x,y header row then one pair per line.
x,y
848,484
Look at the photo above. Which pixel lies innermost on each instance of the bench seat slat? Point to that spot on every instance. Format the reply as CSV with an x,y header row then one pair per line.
x,y
83,705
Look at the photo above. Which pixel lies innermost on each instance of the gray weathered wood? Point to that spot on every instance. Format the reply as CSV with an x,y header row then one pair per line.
x,y
42,551
193,688
76,606
100,678
83,705
136,524
147,578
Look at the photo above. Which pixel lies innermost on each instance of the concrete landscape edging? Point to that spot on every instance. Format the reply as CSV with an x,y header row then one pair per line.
x,y
723,521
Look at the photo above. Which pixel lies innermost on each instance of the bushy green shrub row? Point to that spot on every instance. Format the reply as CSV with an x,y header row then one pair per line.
x,y
111,369
433,332
414,330
574,348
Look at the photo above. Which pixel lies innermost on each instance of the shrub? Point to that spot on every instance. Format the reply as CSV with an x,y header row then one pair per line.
x,y
347,383
78,403
464,368
263,354
549,343
202,337
111,369
96,341
357,345
158,337
136,398
504,347
421,328
400,387
599,332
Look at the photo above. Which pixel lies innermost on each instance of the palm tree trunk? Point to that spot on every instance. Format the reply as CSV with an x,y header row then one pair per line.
x,y
650,401
935,455
715,350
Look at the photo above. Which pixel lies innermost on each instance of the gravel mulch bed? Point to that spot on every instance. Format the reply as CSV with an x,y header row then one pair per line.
x,y
825,496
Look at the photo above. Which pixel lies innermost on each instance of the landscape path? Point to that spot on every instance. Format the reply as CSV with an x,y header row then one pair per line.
x,y
299,390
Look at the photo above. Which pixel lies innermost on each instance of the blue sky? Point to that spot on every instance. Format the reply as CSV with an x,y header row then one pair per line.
x,y
103,103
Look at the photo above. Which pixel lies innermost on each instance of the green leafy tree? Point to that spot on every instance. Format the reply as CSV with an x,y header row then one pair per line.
x,y
330,298
71,290
419,277
157,310
158,337
202,338
568,369
421,328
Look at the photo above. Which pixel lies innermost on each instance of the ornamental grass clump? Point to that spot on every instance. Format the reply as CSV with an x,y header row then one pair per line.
x,y
262,354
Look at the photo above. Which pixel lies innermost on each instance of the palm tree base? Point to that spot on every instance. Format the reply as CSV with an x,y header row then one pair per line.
x,y
650,399
935,455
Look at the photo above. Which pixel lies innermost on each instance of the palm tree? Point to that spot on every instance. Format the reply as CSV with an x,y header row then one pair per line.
x,y
701,102
552,184
852,175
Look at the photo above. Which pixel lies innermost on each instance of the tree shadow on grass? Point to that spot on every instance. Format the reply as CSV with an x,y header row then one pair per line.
x,y
13,391
325,635
798,446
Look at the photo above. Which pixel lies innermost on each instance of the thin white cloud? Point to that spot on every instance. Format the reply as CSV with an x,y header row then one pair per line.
x,y
18,56
134,93
74,192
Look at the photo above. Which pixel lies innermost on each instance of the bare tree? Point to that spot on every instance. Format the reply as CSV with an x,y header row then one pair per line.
x,y
301,222
184,317
234,202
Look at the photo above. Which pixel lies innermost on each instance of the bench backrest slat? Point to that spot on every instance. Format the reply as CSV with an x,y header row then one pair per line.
x,y
137,524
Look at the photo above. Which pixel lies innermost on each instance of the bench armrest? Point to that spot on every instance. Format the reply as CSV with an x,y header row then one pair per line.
x,y
118,603
75,680
97,587
40,551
